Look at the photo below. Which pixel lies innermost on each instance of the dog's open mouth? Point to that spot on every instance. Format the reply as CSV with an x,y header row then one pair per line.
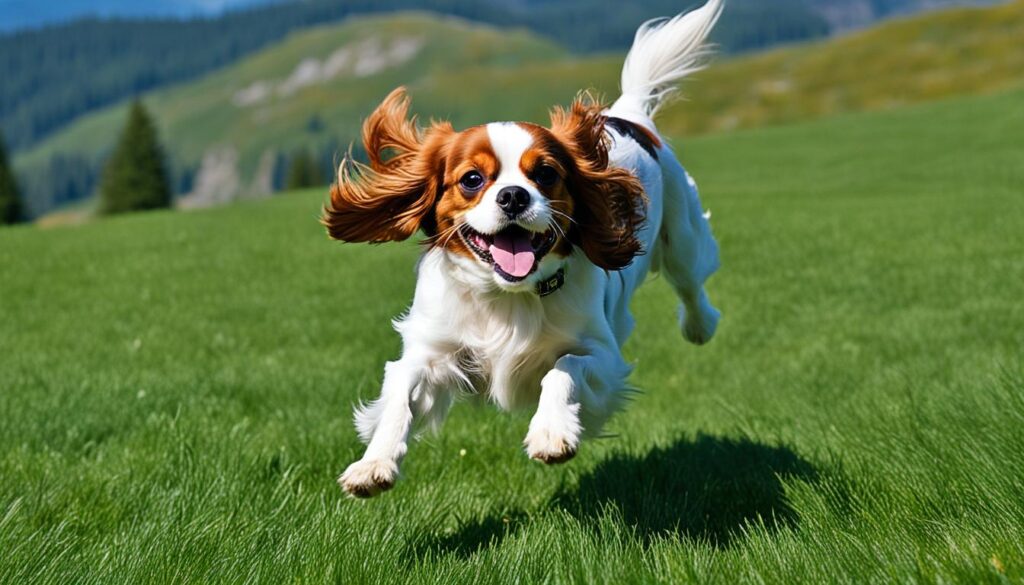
x,y
514,252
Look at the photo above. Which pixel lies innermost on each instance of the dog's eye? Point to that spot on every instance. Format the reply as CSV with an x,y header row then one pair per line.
x,y
471,182
545,175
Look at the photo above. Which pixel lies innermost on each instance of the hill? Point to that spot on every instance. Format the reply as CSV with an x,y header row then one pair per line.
x,y
176,390
57,73
906,61
229,131
53,75
232,132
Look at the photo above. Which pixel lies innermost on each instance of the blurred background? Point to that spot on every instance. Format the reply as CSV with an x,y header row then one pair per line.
x,y
247,98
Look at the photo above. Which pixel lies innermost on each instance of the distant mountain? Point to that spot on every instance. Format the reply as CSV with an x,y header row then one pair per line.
x,y
52,75
21,14
233,133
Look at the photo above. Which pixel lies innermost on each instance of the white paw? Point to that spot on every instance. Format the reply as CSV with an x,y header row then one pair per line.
x,y
367,478
549,445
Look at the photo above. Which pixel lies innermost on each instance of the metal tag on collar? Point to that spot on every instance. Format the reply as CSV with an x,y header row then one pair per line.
x,y
551,283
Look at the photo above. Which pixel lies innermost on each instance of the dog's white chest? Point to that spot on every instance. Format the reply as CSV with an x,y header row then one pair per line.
x,y
507,345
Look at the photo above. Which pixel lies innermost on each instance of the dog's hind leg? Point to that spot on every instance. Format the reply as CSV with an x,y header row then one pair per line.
x,y
688,252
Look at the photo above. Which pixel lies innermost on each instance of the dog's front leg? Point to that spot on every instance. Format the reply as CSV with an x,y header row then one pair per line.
x,y
384,425
578,385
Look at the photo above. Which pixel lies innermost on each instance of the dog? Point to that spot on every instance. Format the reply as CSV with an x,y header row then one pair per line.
x,y
537,239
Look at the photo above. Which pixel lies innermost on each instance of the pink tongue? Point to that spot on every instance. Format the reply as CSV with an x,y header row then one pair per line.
x,y
513,252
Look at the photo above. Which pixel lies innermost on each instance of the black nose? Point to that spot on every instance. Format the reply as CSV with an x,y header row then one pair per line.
x,y
513,200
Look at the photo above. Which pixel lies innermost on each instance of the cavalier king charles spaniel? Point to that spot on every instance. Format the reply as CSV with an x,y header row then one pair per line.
x,y
537,238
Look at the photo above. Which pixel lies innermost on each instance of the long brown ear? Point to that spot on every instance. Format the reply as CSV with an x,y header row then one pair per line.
x,y
610,201
395,195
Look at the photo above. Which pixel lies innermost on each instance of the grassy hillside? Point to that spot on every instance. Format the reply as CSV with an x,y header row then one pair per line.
x,y
197,116
371,56
954,52
89,64
176,390
460,73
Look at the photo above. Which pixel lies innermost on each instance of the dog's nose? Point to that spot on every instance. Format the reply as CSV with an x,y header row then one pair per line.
x,y
513,200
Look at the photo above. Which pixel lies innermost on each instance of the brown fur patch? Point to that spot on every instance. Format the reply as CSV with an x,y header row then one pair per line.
x,y
395,195
547,149
470,150
610,202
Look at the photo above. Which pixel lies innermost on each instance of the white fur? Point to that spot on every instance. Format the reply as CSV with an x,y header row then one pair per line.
x,y
468,331
665,51
509,142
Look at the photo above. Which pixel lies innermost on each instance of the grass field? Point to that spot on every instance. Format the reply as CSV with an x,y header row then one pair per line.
x,y
176,390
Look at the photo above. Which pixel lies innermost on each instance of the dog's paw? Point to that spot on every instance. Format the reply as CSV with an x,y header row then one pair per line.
x,y
550,446
699,327
367,478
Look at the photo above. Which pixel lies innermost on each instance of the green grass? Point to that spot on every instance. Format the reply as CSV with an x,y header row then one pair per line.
x,y
176,390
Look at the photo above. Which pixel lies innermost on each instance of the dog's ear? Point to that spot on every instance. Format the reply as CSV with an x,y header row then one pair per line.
x,y
610,202
395,195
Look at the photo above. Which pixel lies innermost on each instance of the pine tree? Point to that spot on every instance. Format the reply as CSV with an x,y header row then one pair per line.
x,y
303,171
135,177
10,198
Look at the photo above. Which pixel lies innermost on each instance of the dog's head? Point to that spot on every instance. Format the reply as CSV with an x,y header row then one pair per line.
x,y
503,196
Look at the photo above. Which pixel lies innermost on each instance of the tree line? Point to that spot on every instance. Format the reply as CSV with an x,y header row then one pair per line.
x,y
55,74
137,177
10,195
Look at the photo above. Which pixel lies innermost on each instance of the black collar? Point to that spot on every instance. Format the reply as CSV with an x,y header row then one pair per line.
x,y
552,283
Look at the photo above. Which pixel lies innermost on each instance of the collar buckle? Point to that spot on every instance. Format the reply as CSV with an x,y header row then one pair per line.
x,y
552,283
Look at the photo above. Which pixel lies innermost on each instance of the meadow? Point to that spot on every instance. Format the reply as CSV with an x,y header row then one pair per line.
x,y
176,390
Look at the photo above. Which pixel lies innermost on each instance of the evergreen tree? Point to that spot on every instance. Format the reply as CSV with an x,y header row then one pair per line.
x,y
135,177
10,198
303,171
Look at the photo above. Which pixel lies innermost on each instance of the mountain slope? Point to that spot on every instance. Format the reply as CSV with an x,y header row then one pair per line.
x,y
310,90
460,73
53,75
60,72
905,61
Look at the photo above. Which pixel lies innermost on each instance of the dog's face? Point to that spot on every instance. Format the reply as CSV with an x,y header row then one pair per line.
x,y
504,198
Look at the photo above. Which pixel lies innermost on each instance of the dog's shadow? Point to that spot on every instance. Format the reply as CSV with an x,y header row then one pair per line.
x,y
708,488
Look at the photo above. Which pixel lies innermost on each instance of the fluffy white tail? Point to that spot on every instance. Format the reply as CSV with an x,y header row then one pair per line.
x,y
664,51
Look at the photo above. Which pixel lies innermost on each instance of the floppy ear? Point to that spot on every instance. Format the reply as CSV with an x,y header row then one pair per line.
x,y
610,202
395,195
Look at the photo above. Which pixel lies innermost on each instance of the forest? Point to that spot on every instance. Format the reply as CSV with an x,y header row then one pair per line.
x,y
52,75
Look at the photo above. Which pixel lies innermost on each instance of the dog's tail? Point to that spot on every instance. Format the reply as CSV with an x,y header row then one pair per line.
x,y
665,50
